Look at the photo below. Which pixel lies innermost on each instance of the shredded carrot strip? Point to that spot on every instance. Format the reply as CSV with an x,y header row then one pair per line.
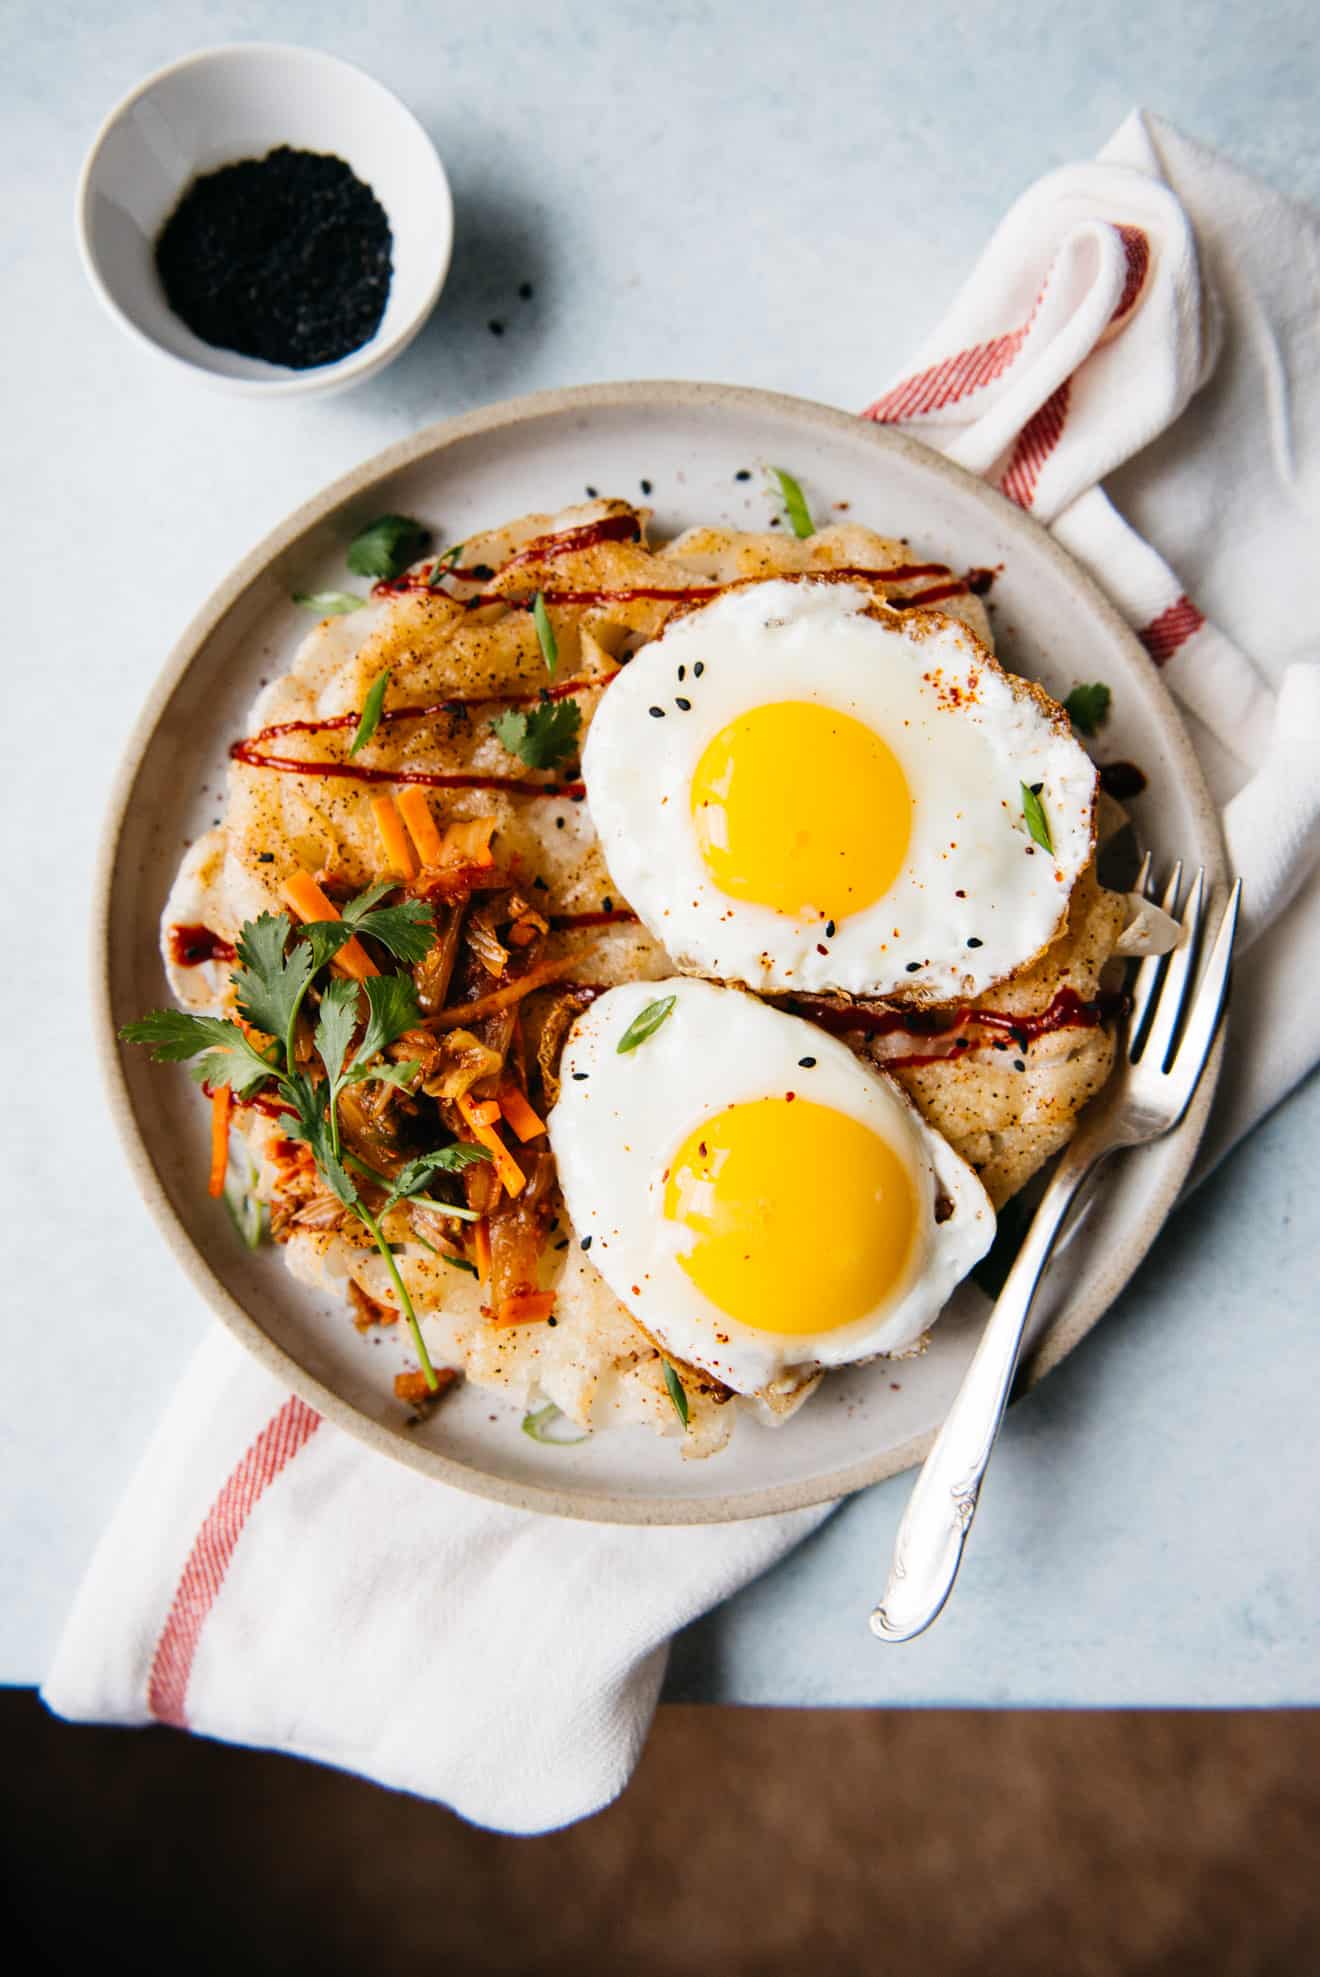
x,y
302,893
514,1106
393,837
468,843
481,1244
483,1111
485,1134
222,1105
525,1308
421,824
490,1005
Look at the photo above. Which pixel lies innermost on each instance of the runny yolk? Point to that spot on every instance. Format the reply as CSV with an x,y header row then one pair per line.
x,y
797,806
800,1218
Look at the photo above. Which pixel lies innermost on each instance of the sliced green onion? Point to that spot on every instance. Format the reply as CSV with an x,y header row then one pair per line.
x,y
645,1023
330,603
372,708
545,632
676,1393
536,1427
245,1209
443,565
1034,813
795,503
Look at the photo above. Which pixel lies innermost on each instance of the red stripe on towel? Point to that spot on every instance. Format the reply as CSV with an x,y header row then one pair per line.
x,y
944,384
208,1561
1035,443
1173,627
1136,248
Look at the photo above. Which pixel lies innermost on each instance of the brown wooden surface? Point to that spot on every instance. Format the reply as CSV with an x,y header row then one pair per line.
x,y
759,1841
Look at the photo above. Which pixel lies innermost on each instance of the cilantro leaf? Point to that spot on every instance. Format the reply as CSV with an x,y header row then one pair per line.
x,y
330,603
393,1009
334,1031
173,1036
310,1123
408,931
270,987
366,902
1034,812
542,735
411,1179
386,546
1087,707
372,708
795,503
545,633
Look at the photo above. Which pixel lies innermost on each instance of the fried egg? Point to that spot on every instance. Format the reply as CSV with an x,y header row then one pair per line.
x,y
761,1202
798,788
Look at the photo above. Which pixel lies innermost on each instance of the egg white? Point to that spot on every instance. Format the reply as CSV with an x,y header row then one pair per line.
x,y
620,1119
975,898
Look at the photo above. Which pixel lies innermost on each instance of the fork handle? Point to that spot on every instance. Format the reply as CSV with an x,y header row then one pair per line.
x,y
929,1546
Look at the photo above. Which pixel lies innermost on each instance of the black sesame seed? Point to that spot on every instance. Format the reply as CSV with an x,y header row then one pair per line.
x,y
914,967
829,930
685,705
743,474
806,1063
999,1044
539,881
265,858
646,487
592,494
774,521
607,905
559,823
698,669
972,941
552,1320
525,291
656,713
586,1242
682,674
562,1243
1018,1065
580,1077
483,571
495,328
1036,788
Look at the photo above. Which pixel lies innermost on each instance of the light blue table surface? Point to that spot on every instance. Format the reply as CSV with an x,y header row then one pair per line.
x,y
772,194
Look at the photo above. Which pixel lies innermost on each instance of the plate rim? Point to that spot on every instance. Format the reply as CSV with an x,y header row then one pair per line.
x,y
1063,1335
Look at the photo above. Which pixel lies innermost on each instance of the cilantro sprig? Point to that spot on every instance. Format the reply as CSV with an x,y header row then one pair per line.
x,y
386,546
1087,707
276,972
540,736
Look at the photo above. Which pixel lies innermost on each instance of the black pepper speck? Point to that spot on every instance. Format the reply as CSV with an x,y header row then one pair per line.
x,y
525,291
495,327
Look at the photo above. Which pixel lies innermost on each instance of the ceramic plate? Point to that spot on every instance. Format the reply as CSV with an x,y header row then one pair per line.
x,y
680,447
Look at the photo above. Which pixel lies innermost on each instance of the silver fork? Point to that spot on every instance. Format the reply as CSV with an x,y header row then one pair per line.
x,y
1169,1036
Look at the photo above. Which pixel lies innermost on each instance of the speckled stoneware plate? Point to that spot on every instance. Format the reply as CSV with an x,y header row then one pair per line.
x,y
681,446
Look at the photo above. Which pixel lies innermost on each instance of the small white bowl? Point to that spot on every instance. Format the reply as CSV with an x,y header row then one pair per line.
x,y
225,104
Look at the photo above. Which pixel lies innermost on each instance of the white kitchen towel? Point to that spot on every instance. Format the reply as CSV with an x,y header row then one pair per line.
x,y
1150,318
1152,321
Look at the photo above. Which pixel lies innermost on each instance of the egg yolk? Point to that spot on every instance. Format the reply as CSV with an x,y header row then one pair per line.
x,y
797,806
801,1218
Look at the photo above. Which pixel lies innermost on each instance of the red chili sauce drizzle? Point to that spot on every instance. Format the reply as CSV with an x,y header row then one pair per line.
x,y
191,946
254,753
1066,1012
